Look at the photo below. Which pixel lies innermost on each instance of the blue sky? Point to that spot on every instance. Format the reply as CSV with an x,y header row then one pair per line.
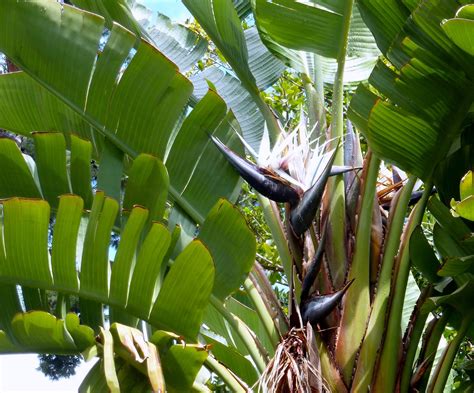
x,y
172,8
18,373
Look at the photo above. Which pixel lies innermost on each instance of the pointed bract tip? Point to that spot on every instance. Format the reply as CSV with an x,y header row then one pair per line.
x,y
320,306
264,182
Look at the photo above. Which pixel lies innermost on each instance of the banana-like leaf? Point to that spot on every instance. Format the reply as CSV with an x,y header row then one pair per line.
x,y
232,246
185,293
264,66
243,7
135,364
94,380
177,42
108,361
190,172
221,21
420,94
181,361
136,283
238,99
461,28
38,331
423,257
130,344
81,153
385,19
26,221
147,186
185,48
451,170
250,60
412,294
15,167
455,266
362,52
231,358
450,232
465,207
461,299
304,26
51,164
92,95
113,11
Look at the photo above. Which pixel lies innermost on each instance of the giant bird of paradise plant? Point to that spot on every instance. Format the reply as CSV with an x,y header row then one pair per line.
x,y
99,83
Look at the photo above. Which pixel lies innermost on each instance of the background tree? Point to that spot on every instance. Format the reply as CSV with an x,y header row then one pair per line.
x,y
56,367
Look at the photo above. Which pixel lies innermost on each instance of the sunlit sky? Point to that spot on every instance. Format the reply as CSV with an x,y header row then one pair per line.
x,y
172,8
18,373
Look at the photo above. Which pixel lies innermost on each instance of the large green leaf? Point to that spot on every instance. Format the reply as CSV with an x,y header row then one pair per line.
x,y
232,246
182,46
385,19
63,256
362,51
243,7
147,186
39,331
113,11
250,61
122,266
25,224
220,20
189,173
249,118
461,28
146,280
181,365
14,167
264,66
25,234
304,26
420,94
423,256
450,233
233,359
185,293
136,109
51,164
81,152
450,171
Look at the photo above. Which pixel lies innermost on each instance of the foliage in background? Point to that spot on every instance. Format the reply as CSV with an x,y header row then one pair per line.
x,y
56,367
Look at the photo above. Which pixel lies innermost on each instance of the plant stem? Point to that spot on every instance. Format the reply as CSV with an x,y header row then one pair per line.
x,y
270,118
276,228
375,328
356,308
262,312
430,344
391,343
443,369
314,89
417,323
329,370
222,371
270,299
244,333
336,251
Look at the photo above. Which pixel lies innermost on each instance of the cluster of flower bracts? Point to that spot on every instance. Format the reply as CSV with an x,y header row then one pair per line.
x,y
302,207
